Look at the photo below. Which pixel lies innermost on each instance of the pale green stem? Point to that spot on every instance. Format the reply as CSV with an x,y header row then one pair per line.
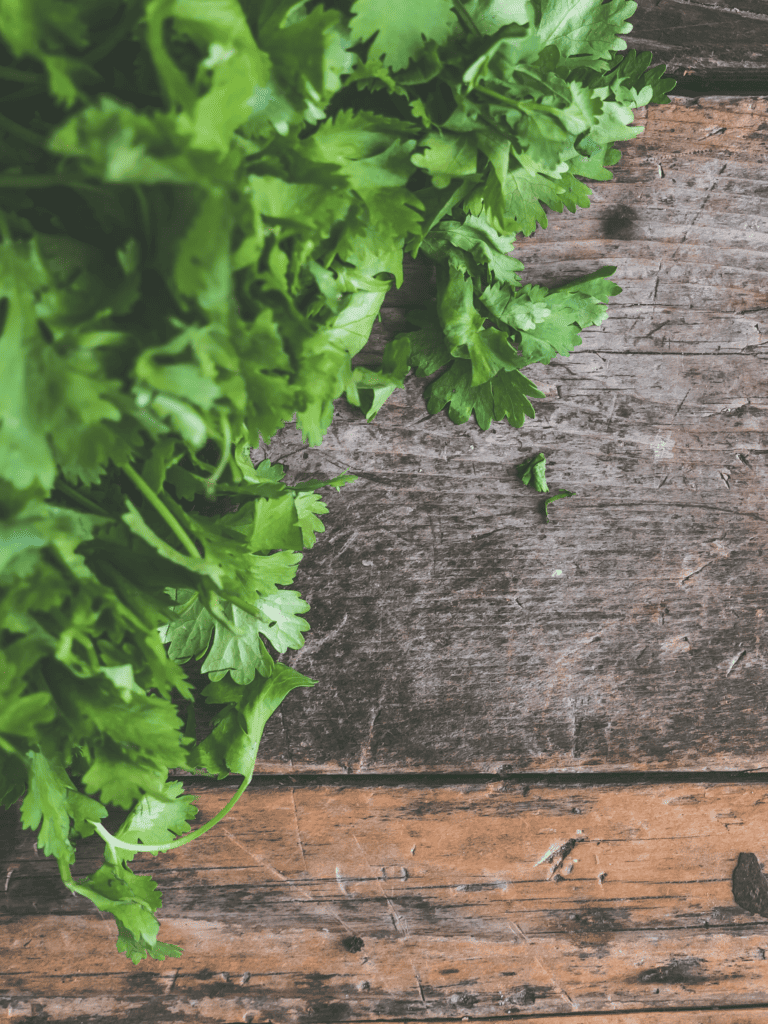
x,y
141,848
210,483
153,499
516,104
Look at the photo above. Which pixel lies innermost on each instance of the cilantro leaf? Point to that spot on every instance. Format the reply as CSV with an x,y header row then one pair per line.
x,y
534,469
399,27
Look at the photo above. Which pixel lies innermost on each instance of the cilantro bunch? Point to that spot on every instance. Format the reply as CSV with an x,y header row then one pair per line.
x,y
202,207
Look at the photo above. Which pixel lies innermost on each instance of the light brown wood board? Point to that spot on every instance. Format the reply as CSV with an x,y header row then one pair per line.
x,y
342,902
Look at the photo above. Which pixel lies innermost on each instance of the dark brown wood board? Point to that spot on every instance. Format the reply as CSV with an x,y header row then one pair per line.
x,y
335,901
452,628
454,631
710,46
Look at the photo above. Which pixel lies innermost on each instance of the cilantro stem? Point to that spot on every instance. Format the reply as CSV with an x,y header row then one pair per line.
x,y
22,94
11,750
106,46
110,573
153,499
244,605
142,848
32,138
86,502
43,181
142,200
526,106
210,483
12,75
465,16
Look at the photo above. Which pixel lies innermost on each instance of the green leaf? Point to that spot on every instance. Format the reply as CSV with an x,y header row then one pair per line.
x,y
399,27
584,27
534,470
156,819
234,741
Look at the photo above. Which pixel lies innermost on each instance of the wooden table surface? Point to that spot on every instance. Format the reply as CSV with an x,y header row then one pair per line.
x,y
532,780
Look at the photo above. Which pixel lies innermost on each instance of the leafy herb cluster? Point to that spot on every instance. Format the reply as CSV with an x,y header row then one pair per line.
x,y
202,207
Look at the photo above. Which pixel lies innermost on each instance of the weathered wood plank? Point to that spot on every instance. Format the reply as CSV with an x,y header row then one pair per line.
x,y
341,902
709,46
452,628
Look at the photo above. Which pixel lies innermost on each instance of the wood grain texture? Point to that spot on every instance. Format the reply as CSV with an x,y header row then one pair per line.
x,y
452,629
709,46
340,902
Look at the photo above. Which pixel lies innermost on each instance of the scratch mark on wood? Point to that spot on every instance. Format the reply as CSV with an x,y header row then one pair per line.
x,y
366,749
295,888
285,737
677,410
418,982
298,830
514,927
735,661
399,922
695,572
253,856
340,883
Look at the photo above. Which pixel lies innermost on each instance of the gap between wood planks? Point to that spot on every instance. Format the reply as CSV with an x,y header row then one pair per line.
x,y
478,778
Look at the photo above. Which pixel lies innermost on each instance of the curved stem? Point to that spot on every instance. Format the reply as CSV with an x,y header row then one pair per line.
x,y
11,750
106,46
141,848
210,483
153,499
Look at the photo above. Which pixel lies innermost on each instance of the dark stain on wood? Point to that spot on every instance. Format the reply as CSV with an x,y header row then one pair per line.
x,y
750,889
